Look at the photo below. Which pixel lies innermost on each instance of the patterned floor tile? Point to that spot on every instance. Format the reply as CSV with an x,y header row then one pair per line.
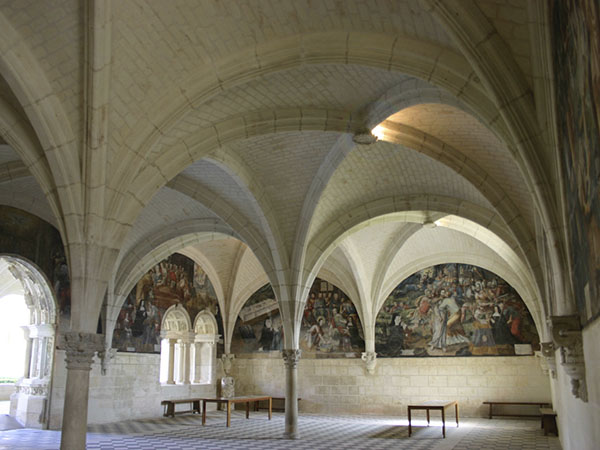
x,y
316,432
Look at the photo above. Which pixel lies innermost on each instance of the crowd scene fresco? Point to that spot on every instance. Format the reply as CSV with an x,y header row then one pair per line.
x,y
330,324
175,280
453,309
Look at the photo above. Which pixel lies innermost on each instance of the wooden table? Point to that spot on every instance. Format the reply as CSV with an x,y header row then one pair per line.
x,y
435,405
538,404
233,400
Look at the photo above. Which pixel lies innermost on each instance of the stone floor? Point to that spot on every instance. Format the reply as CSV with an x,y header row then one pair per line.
x,y
316,432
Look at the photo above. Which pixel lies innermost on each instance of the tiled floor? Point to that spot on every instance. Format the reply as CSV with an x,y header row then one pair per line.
x,y
316,432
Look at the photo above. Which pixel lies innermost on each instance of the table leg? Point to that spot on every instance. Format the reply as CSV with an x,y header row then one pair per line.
x,y
443,422
203,412
456,412
196,407
409,422
270,407
490,411
256,406
427,416
228,413
171,410
247,410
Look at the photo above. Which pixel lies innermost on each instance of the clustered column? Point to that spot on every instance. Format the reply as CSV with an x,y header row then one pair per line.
x,y
290,359
80,348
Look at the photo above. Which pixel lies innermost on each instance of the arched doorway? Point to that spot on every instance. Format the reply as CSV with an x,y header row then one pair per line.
x,y
29,403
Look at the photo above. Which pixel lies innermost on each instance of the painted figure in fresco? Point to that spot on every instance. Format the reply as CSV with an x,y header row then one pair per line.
x,y
438,326
315,333
482,336
396,336
266,336
500,329
454,330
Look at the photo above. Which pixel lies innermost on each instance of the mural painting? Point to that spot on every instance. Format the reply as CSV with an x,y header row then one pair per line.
x,y
454,310
175,280
576,56
26,235
330,325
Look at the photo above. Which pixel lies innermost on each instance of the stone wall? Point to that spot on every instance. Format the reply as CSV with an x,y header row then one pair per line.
x,y
129,390
342,386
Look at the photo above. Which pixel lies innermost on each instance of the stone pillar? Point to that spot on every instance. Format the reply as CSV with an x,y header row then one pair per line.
x,y
171,369
290,359
185,376
28,349
197,350
180,361
80,348
34,357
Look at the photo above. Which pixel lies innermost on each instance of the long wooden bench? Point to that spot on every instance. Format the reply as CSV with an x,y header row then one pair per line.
x,y
538,404
169,406
280,407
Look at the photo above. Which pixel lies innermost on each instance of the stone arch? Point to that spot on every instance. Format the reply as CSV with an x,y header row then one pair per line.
x,y
28,403
205,323
176,321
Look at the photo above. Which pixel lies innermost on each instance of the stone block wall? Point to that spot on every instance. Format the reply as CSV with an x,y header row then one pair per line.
x,y
342,386
129,390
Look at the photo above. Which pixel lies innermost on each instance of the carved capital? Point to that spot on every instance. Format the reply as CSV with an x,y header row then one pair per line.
x,y
291,357
370,359
106,356
547,358
80,348
566,334
227,360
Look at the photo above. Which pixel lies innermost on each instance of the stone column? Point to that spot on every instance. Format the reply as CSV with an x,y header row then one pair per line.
x,y
26,370
180,358
185,378
80,348
197,349
290,359
35,342
171,369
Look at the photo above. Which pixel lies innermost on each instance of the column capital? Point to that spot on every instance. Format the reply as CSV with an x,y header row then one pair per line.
x,y
291,357
80,348
370,359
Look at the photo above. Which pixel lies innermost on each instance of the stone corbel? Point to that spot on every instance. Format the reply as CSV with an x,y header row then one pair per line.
x,y
566,334
370,359
547,358
227,360
106,356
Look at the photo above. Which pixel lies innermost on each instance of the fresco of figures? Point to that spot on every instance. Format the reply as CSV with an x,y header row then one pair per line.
x,y
577,72
330,326
454,310
175,280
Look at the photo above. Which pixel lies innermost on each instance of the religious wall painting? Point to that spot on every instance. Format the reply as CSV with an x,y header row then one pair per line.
x,y
26,235
576,47
175,280
258,328
454,310
330,325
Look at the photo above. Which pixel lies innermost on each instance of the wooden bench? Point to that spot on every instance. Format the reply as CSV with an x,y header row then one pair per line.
x,y
538,404
264,405
548,421
169,406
